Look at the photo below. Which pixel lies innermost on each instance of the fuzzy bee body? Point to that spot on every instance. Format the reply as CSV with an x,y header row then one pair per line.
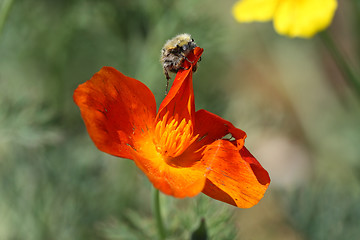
x,y
174,53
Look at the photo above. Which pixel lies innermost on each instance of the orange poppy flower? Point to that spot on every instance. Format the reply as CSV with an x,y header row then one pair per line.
x,y
181,151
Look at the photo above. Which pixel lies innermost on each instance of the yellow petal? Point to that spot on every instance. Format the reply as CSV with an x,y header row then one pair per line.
x,y
303,18
254,10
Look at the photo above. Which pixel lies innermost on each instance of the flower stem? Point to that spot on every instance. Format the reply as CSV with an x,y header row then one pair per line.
x,y
4,11
352,79
157,213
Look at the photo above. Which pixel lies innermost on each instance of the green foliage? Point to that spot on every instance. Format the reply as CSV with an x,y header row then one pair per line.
x,y
181,217
201,232
326,211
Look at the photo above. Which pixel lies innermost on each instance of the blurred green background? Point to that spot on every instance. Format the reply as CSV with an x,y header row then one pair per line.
x,y
301,117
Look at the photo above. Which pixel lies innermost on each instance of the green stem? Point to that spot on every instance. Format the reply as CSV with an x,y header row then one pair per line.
x,y
157,213
352,79
4,12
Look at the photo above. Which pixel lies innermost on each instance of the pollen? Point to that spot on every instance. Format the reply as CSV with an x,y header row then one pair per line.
x,y
173,138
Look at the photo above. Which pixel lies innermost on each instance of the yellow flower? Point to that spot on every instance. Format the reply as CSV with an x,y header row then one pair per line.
x,y
294,18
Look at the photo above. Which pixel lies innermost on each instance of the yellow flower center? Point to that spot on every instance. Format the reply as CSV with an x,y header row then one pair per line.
x,y
171,138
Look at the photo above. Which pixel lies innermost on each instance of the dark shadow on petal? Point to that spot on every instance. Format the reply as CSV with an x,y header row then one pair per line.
x,y
213,191
185,160
261,174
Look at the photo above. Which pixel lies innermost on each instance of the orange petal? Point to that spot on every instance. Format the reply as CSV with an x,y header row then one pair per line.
x,y
211,127
180,100
234,176
171,176
116,109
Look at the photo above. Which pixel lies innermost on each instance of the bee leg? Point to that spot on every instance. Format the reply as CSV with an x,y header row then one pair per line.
x,y
182,54
184,68
167,86
188,60
167,81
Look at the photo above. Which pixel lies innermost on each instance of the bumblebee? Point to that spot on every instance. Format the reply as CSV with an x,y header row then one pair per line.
x,y
174,53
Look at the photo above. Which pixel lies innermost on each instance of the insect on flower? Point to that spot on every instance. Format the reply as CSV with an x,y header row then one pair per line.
x,y
174,53
182,152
